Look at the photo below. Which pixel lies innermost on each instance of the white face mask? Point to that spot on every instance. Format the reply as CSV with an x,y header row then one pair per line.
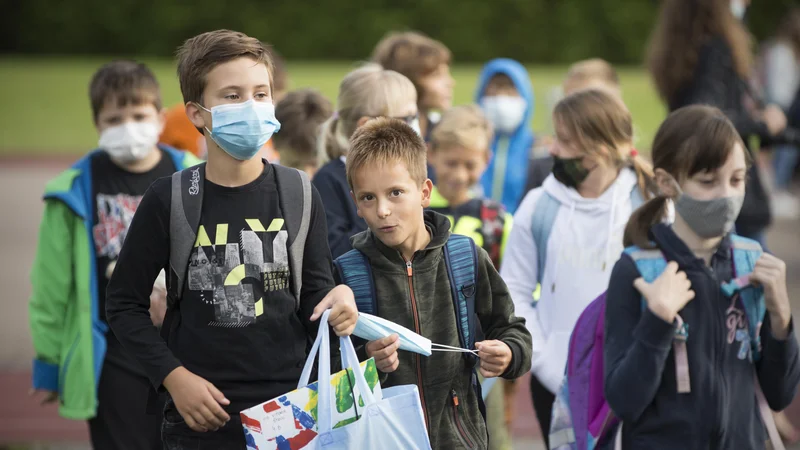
x,y
129,142
505,112
738,9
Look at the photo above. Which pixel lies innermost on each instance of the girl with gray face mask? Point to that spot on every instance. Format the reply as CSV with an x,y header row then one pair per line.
x,y
698,343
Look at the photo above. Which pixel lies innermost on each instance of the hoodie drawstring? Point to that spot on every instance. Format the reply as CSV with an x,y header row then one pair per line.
x,y
558,260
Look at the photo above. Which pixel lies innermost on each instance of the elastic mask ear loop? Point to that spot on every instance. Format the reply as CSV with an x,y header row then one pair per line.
x,y
205,127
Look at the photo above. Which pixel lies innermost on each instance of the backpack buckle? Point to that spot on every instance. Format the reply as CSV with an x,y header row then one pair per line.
x,y
681,329
468,290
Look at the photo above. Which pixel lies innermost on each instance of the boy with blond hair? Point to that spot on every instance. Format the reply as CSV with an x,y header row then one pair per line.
x,y
245,245
409,252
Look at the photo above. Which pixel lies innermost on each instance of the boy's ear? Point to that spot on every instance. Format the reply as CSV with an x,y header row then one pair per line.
x,y
667,185
362,120
197,116
162,120
427,189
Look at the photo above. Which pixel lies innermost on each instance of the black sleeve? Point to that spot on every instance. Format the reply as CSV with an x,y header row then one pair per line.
x,y
709,87
495,311
637,343
317,274
779,367
340,225
143,255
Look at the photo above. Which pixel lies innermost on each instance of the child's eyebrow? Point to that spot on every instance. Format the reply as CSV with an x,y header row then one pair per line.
x,y
232,87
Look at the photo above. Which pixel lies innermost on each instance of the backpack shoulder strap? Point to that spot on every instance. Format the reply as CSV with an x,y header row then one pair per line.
x,y
745,252
649,262
184,219
637,199
294,191
544,215
355,271
461,258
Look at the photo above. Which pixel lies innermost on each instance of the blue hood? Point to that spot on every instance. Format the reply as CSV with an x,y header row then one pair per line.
x,y
510,154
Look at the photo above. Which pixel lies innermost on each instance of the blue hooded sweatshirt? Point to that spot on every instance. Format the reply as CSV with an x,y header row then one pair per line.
x,y
504,180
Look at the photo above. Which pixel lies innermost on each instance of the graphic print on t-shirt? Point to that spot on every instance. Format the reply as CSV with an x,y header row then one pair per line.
x,y
114,215
235,276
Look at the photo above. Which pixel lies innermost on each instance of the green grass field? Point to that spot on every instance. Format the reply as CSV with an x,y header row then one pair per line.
x,y
44,105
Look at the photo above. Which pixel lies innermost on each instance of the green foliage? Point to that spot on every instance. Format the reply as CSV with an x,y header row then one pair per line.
x,y
535,31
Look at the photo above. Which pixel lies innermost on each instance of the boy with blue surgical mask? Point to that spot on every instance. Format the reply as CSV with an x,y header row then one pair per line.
x,y
505,95
88,209
407,251
237,330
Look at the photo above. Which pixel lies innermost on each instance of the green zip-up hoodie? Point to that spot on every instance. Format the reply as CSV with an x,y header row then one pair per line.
x,y
68,335
418,297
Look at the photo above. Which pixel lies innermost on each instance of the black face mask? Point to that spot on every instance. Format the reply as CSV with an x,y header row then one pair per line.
x,y
570,171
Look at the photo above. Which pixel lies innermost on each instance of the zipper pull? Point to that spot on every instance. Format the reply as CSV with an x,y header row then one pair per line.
x,y
454,396
408,269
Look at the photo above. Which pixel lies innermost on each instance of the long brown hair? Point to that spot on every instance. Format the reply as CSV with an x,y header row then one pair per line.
x,y
683,27
789,31
692,139
594,118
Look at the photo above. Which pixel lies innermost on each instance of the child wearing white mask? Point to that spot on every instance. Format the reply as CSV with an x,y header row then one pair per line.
x,y
88,209
506,97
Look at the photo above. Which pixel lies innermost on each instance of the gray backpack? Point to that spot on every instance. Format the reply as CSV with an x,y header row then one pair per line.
x,y
294,192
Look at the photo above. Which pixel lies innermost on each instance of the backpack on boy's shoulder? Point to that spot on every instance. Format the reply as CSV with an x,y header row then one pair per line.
x,y
582,419
461,259
294,192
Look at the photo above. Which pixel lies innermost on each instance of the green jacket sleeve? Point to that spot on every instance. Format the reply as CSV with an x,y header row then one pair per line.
x,y
51,279
495,311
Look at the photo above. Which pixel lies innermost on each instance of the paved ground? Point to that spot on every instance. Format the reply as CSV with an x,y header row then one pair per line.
x,y
26,425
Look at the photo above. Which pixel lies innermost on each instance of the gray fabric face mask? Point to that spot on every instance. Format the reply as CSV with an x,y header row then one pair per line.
x,y
709,218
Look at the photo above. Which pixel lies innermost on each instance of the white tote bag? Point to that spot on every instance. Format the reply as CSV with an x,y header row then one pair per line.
x,y
394,422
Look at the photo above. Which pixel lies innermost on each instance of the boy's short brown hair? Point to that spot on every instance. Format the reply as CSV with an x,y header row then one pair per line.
x,y
463,126
300,113
385,140
594,69
280,78
202,53
411,53
128,82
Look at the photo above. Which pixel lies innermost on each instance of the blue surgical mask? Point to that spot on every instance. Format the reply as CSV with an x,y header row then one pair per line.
x,y
738,9
241,129
372,328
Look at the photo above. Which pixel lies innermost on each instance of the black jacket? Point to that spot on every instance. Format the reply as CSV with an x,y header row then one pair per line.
x,y
721,412
716,83
340,209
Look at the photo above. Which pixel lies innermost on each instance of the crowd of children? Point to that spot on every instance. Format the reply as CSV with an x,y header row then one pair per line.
x,y
204,302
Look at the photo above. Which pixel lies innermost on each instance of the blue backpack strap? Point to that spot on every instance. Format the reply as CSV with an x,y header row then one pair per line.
x,y
544,214
745,254
461,258
637,199
355,272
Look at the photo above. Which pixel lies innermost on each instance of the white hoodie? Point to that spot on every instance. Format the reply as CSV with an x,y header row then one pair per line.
x,y
585,243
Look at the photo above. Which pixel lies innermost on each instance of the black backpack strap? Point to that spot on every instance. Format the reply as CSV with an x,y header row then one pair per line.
x,y
294,191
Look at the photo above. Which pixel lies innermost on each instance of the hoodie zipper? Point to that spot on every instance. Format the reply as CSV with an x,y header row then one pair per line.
x,y
461,430
410,272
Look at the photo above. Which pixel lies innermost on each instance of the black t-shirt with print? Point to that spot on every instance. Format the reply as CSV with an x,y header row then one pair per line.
x,y
238,324
117,193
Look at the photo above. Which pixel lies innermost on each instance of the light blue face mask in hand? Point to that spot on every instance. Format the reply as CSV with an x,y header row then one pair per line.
x,y
372,328
241,129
